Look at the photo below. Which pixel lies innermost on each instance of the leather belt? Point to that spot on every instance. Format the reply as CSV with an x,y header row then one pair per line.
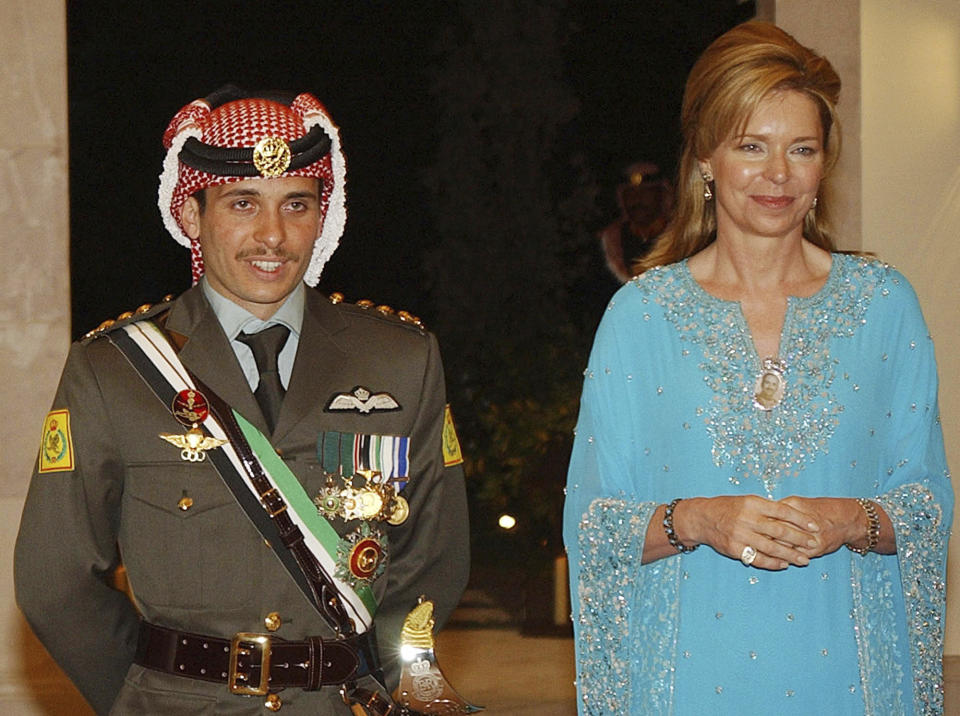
x,y
256,663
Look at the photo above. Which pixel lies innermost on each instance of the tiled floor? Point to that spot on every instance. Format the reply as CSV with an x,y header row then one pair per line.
x,y
509,674
951,685
520,676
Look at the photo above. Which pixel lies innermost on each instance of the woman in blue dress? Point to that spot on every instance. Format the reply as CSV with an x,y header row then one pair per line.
x,y
758,502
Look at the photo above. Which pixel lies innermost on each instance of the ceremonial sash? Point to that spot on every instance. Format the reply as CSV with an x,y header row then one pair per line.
x,y
148,350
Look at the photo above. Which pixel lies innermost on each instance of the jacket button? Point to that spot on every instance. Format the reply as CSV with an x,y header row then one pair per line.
x,y
272,621
185,503
273,703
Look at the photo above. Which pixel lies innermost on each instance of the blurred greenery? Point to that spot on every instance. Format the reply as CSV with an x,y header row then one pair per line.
x,y
512,202
533,101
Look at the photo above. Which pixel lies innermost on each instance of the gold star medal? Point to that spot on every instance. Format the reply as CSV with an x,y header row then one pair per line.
x,y
361,555
351,503
371,497
328,500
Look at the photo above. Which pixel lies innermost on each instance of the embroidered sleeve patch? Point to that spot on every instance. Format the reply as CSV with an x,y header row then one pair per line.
x,y
56,445
451,445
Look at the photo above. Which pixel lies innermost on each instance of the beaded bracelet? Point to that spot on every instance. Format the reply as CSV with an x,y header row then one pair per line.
x,y
873,527
671,533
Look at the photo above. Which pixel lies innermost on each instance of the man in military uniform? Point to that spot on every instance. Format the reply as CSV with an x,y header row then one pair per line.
x,y
334,427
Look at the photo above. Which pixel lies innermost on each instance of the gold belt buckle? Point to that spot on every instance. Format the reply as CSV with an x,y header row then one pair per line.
x,y
239,683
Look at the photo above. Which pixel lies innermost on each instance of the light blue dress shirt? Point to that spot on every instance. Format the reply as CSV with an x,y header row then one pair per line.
x,y
236,320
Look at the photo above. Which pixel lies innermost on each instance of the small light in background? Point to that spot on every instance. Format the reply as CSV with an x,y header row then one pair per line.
x,y
507,522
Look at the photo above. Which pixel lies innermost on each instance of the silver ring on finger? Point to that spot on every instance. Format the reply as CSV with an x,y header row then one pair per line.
x,y
748,555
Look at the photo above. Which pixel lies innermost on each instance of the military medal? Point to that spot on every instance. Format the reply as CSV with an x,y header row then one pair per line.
x,y
328,501
370,504
361,555
190,409
351,504
770,384
364,558
382,461
398,510
371,497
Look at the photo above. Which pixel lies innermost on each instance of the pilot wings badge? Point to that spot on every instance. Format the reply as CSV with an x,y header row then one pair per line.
x,y
362,400
193,445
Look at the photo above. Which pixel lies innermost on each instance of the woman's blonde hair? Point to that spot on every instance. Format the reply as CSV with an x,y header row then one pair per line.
x,y
725,87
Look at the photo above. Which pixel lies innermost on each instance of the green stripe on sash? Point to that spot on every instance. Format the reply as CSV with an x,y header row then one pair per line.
x,y
298,500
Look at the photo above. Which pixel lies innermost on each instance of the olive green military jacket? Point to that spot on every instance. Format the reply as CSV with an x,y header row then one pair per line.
x,y
206,569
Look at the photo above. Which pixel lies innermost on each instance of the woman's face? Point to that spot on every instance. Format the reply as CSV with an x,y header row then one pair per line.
x,y
767,179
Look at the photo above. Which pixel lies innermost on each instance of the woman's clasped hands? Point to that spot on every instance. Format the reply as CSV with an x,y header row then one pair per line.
x,y
769,534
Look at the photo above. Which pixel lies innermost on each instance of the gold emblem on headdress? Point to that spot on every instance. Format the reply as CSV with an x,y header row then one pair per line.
x,y
271,156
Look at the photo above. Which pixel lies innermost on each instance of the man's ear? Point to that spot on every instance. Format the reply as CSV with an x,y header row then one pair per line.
x,y
190,218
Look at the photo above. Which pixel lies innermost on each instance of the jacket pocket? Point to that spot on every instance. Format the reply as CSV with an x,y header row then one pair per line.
x,y
184,540
147,693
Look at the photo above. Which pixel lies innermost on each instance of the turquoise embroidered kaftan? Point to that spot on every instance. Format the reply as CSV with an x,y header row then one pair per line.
x,y
667,411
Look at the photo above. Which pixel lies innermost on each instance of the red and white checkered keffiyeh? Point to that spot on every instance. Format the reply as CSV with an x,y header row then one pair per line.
x,y
243,123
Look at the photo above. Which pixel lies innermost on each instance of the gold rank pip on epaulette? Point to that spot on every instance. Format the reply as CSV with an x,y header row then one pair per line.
x,y
127,316
383,309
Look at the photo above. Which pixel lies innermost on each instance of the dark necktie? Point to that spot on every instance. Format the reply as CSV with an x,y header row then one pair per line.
x,y
266,346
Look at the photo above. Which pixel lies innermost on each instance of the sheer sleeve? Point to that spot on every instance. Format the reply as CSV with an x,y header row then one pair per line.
x,y
916,493
605,522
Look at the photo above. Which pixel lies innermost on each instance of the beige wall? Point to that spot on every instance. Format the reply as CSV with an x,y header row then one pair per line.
x,y
832,28
34,302
34,307
900,66
911,186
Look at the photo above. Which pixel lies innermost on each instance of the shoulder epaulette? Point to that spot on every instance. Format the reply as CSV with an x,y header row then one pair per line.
x,y
382,309
145,311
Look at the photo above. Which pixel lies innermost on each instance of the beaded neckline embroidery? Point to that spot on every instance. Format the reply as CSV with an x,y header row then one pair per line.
x,y
771,445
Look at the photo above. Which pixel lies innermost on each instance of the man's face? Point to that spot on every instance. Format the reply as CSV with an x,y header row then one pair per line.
x,y
769,385
256,237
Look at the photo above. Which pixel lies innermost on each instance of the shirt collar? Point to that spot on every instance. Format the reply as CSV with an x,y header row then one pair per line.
x,y
234,318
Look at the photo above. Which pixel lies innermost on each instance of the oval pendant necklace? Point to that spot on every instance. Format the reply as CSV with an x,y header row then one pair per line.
x,y
770,384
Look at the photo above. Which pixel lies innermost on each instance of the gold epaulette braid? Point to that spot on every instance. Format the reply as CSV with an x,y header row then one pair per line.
x,y
125,316
366,304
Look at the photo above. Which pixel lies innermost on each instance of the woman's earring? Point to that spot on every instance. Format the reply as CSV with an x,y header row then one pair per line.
x,y
707,191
